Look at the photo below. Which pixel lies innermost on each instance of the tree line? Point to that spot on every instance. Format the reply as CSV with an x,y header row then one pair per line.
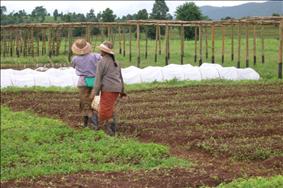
x,y
160,11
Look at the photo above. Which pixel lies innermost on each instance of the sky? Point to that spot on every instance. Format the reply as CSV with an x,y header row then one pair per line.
x,y
120,8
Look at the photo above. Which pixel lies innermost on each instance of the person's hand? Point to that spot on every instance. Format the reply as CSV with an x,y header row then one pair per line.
x,y
123,95
92,94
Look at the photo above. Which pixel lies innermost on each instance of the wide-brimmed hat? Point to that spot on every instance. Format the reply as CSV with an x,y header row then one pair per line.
x,y
81,47
106,47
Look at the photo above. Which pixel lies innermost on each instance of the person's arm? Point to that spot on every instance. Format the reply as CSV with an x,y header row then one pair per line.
x,y
73,62
123,93
98,77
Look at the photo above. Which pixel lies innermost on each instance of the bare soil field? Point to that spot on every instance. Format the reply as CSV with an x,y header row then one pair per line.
x,y
227,131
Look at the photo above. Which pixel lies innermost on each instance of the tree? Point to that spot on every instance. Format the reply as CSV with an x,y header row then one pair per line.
x,y
55,14
39,12
108,16
141,15
90,16
188,11
275,14
159,10
3,9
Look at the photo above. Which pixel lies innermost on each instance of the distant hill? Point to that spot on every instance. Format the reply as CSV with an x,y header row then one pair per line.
x,y
248,9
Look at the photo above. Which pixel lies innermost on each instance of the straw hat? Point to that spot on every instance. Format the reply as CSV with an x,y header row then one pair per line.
x,y
81,47
106,47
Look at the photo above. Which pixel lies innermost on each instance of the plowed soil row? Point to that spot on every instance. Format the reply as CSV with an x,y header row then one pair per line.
x,y
228,131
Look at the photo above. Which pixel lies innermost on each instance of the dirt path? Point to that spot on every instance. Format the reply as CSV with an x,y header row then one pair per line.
x,y
221,128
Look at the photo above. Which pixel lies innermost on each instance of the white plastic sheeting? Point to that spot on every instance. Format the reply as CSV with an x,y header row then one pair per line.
x,y
66,76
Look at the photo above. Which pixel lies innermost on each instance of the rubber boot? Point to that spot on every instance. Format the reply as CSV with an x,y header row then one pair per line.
x,y
85,118
94,121
114,125
108,129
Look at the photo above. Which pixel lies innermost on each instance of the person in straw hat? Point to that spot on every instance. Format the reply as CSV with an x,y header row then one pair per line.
x,y
85,64
110,85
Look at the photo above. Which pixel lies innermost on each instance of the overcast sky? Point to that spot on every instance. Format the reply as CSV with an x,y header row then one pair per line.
x,y
120,8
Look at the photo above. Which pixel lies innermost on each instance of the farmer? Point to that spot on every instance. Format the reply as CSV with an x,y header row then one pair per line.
x,y
85,64
110,85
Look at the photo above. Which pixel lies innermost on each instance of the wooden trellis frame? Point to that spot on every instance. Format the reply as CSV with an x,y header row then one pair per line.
x,y
19,39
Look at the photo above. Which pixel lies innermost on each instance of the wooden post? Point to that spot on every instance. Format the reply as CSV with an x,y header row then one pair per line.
x,y
169,31
138,46
146,42
11,43
212,43
43,50
37,43
200,44
25,43
49,42
87,32
130,45
159,39
280,49
156,43
70,34
17,44
254,50
124,43
120,45
223,44
58,41
102,34
108,33
247,45
262,44
206,44
182,38
239,46
196,43
65,43
166,45
232,43
32,41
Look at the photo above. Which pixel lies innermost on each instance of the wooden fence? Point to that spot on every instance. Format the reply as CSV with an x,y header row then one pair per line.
x,y
45,39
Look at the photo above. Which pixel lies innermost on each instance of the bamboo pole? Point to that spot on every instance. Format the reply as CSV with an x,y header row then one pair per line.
x,y
65,43
232,43
120,45
212,43
280,50
182,44
239,46
146,43
88,31
262,44
254,47
166,45
247,46
159,39
223,44
102,34
138,46
196,44
156,43
130,45
124,43
70,34
206,44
